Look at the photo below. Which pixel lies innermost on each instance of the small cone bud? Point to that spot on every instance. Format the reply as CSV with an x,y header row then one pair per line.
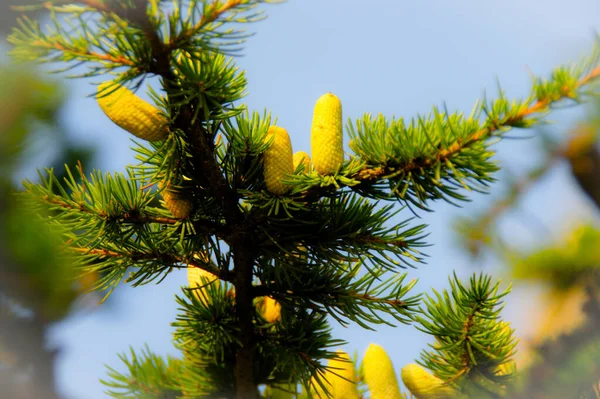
x,y
380,375
326,135
270,309
303,158
133,114
180,205
424,385
278,160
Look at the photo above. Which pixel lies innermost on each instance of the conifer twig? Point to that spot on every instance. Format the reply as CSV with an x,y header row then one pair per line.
x,y
482,134
170,261
215,13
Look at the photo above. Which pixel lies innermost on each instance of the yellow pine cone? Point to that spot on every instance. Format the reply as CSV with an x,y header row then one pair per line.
x,y
424,385
338,387
303,158
270,309
131,113
181,206
195,280
379,374
278,160
326,135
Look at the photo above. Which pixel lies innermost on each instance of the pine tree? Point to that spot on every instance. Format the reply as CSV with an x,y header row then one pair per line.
x,y
272,246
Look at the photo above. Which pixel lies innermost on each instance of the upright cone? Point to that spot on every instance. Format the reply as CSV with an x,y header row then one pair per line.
x,y
339,387
380,375
278,160
326,135
424,385
131,113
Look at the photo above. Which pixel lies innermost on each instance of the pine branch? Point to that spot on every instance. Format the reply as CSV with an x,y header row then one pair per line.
x,y
215,10
471,341
149,377
433,157
125,217
338,290
167,260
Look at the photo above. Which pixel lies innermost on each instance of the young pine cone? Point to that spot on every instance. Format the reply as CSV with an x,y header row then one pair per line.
x,y
278,160
379,374
131,113
343,385
326,135
195,280
179,204
424,385
270,309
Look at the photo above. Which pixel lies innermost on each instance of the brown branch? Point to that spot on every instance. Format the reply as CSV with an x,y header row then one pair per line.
x,y
395,303
85,54
126,217
244,295
207,226
169,259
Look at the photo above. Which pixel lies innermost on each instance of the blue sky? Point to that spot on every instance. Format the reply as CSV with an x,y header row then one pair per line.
x,y
396,57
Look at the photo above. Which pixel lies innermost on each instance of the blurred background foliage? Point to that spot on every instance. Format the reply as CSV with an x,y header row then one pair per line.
x,y
562,357
38,283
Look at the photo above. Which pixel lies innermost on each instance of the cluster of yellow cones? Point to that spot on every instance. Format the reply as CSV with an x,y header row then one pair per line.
x,y
380,378
326,143
147,122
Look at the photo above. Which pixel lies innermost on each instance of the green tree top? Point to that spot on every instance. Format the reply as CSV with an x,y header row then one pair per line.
x,y
318,239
